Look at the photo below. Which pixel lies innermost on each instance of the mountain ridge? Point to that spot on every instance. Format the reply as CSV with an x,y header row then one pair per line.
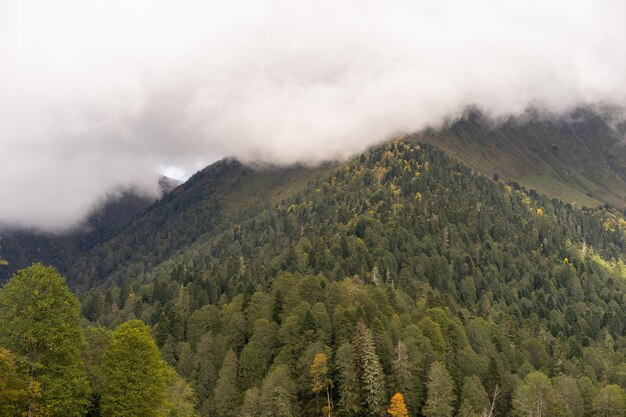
x,y
21,247
578,157
402,246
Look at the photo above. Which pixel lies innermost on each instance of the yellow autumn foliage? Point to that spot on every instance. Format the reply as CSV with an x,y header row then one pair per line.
x,y
397,407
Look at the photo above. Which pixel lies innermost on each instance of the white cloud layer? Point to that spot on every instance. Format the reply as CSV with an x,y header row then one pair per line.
x,y
98,94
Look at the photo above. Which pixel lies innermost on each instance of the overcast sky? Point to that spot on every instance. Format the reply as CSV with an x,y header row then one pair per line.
x,y
95,95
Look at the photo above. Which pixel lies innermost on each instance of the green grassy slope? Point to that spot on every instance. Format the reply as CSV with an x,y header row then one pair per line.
x,y
579,159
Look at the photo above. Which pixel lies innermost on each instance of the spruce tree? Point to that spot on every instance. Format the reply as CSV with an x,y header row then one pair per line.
x,y
226,393
440,400
277,396
349,393
369,371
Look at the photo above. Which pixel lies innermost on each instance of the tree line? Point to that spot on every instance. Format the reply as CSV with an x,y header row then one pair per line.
x,y
51,366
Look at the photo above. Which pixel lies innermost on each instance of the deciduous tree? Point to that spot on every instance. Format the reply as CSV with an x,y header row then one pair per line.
x,y
397,408
40,323
530,398
321,380
134,376
609,402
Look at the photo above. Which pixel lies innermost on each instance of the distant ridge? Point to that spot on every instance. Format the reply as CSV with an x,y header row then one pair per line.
x,y
579,158
20,247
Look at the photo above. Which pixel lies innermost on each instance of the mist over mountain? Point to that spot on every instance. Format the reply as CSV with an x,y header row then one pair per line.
x,y
94,96
410,208
20,247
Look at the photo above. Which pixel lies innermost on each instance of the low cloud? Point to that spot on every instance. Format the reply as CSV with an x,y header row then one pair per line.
x,y
98,95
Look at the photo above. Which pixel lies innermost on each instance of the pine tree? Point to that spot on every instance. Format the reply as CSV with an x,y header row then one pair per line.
x,y
226,393
135,377
440,400
369,371
40,323
397,408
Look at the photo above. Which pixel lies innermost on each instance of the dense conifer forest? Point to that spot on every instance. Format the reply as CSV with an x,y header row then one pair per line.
x,y
398,283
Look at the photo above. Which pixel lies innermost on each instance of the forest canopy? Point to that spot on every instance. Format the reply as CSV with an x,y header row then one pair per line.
x,y
400,283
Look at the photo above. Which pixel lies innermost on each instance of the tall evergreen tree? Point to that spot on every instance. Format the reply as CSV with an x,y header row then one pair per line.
x,y
440,400
226,393
349,395
369,371
277,397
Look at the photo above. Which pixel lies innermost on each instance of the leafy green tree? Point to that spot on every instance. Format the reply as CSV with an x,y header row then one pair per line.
x,y
180,399
226,393
569,397
369,371
530,398
16,390
39,323
440,388
474,398
97,340
609,401
134,377
250,406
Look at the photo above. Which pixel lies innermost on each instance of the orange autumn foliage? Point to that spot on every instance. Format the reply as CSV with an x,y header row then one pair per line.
x,y
397,408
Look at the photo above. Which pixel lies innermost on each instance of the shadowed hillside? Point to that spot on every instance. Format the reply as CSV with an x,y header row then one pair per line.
x,y
209,199
21,248
400,263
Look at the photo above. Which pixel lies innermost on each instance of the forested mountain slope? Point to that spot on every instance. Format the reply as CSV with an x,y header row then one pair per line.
x,y
20,247
579,158
210,198
399,271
